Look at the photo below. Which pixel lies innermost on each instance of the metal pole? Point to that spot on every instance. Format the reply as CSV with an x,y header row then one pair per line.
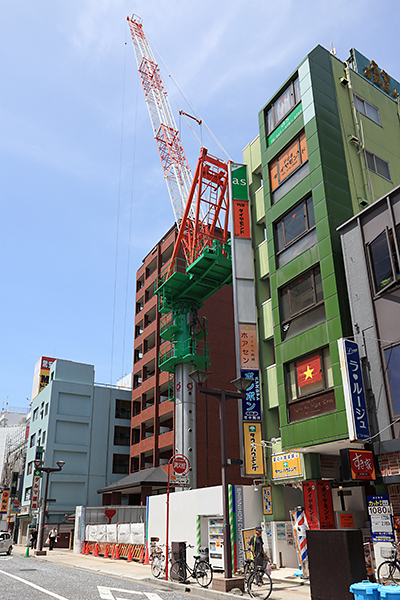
x,y
167,532
41,532
225,497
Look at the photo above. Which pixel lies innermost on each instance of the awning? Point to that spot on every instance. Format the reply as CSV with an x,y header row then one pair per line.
x,y
155,477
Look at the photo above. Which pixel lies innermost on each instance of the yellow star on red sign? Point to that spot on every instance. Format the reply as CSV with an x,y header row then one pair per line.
x,y
308,373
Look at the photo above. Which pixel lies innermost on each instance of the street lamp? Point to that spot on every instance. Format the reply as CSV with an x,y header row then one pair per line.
x,y
47,470
241,385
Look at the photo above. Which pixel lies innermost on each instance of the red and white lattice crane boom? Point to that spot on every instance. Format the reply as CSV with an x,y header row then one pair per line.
x,y
173,159
200,203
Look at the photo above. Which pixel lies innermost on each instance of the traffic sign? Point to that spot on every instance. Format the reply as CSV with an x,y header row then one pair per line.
x,y
181,482
181,464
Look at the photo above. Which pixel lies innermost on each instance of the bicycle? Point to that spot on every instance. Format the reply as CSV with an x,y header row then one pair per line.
x,y
249,567
389,570
202,570
259,584
158,561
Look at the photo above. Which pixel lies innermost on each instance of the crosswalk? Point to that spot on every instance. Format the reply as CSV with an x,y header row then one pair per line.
x,y
108,593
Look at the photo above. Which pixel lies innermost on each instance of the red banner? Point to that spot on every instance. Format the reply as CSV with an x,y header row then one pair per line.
x,y
309,371
325,505
310,504
241,219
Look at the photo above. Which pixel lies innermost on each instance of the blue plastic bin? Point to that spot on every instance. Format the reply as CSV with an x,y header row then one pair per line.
x,y
392,591
365,589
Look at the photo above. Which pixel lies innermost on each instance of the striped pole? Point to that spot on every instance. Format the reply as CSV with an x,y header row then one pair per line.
x,y
231,524
198,533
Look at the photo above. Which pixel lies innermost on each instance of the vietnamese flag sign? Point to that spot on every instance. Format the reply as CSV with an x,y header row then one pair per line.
x,y
309,371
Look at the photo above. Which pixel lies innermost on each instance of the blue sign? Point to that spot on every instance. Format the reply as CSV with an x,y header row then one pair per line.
x,y
375,75
380,516
353,387
251,404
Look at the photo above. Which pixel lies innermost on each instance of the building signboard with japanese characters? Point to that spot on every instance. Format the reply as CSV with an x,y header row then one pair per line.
x,y
253,449
248,346
375,75
353,387
267,500
380,516
318,505
4,500
35,493
251,404
286,465
362,464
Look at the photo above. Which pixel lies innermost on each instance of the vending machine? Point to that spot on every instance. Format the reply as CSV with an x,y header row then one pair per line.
x,y
216,542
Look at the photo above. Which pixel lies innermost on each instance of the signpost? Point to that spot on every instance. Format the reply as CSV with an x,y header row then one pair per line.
x,y
181,466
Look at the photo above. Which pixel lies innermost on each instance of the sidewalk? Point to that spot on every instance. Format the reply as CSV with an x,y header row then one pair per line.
x,y
283,579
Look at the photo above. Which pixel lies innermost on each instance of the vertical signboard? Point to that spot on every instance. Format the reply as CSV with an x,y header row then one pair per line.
x,y
310,504
4,501
353,387
380,516
41,375
253,449
318,505
325,505
267,500
246,319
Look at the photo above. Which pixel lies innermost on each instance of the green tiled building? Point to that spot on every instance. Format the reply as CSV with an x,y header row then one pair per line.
x,y
328,147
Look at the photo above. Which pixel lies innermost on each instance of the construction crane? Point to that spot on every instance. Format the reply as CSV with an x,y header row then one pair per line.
x,y
201,209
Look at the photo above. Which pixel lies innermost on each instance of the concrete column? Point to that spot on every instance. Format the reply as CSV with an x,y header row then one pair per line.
x,y
185,418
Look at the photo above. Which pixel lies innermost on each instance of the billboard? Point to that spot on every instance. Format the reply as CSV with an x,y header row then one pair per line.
x,y
41,375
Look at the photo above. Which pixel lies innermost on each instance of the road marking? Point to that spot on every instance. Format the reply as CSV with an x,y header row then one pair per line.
x,y
37,587
152,596
106,593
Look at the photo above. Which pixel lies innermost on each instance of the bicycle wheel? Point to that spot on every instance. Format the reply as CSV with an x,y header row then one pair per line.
x,y
203,573
178,571
259,585
249,567
388,572
157,566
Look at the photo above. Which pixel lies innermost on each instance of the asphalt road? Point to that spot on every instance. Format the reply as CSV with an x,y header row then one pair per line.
x,y
36,580
41,579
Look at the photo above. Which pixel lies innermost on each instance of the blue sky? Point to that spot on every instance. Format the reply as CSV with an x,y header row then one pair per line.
x,y
70,94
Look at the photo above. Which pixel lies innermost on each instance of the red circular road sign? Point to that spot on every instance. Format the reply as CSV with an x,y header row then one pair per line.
x,y
180,464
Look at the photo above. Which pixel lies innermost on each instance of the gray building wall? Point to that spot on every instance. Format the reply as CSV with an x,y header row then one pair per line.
x,y
79,420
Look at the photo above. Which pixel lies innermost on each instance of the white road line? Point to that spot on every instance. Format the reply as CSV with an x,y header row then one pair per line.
x,y
152,596
106,592
37,587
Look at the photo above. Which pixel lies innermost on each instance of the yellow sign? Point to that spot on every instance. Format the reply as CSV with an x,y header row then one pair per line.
x,y
267,500
253,450
247,535
286,465
4,500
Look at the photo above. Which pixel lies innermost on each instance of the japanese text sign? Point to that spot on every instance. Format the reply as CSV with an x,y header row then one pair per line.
x,y
353,387
35,493
362,464
253,449
251,403
267,500
4,500
248,346
325,505
241,219
318,505
380,515
378,77
286,465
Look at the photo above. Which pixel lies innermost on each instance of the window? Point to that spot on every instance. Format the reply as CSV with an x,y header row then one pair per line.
x,y
120,464
33,440
46,409
392,357
35,414
377,165
30,468
283,105
28,493
384,260
288,161
367,109
292,229
309,383
43,438
301,294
